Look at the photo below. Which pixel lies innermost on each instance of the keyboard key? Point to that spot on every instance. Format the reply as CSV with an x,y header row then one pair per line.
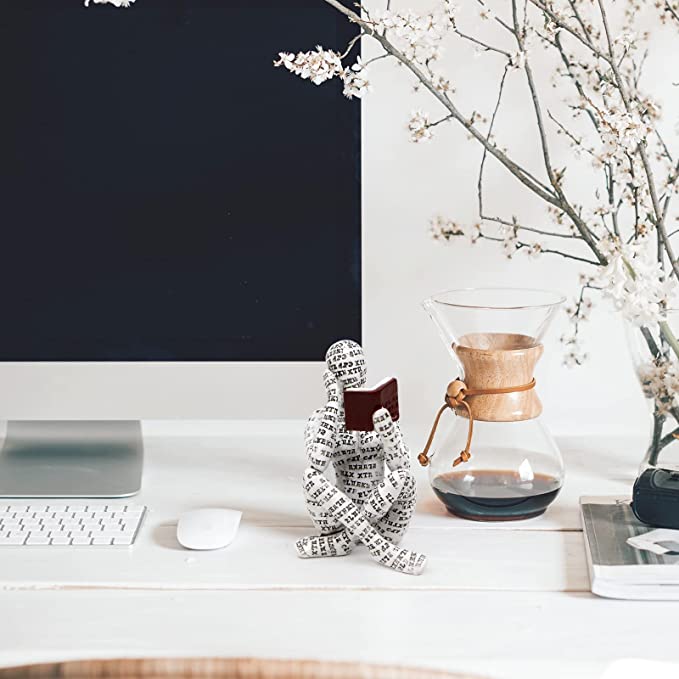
x,y
83,515
61,540
34,539
127,540
55,532
102,541
109,534
13,540
81,540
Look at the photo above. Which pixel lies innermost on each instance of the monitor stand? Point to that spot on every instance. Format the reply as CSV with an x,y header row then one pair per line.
x,y
71,459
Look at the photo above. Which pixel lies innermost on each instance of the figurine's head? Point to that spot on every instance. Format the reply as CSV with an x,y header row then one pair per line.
x,y
347,361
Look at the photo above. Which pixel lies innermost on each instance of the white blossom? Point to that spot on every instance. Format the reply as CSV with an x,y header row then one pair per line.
x,y
450,9
441,83
418,126
551,29
635,282
509,240
621,133
627,41
355,80
418,36
317,66
534,249
574,354
660,381
444,229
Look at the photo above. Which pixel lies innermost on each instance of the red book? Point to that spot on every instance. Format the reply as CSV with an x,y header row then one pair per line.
x,y
361,404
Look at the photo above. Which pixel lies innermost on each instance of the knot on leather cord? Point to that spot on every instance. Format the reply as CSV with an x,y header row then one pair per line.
x,y
456,393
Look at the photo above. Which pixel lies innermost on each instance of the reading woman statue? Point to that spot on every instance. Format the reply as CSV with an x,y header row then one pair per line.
x,y
373,494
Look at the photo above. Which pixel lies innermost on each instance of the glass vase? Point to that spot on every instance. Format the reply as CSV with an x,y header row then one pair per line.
x,y
494,460
655,355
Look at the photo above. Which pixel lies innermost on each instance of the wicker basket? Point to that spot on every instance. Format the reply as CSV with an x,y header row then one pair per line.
x,y
218,668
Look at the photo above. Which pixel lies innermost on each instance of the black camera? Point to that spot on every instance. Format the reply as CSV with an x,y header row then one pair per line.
x,y
655,498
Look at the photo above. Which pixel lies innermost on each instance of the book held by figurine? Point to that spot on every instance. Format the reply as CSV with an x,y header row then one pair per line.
x,y
361,404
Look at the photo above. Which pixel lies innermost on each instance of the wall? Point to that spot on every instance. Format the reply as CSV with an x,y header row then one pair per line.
x,y
405,184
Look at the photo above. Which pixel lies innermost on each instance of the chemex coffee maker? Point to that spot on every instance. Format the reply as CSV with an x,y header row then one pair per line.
x,y
494,460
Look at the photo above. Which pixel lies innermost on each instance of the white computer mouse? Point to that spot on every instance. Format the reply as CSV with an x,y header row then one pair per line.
x,y
208,528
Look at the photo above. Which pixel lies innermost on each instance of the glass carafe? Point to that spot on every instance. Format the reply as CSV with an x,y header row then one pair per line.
x,y
494,460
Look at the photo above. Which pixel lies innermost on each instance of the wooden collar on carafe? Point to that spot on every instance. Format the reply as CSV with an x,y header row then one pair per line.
x,y
456,393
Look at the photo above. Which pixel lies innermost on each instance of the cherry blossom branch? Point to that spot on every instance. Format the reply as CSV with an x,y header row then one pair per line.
x,y
542,6
547,194
521,227
547,251
622,89
554,180
523,175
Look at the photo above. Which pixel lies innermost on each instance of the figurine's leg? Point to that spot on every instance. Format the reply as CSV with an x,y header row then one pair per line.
x,y
336,544
323,521
397,457
385,506
334,540
315,426
376,506
395,521
355,521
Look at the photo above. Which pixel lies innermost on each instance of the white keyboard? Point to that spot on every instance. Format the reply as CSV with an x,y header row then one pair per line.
x,y
69,524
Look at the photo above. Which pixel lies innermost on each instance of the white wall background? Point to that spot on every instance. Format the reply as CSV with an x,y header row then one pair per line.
x,y
404,184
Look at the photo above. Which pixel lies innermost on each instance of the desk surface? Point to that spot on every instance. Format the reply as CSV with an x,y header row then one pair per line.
x,y
505,600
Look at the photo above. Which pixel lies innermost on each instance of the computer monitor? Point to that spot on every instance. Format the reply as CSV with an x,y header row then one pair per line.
x,y
181,224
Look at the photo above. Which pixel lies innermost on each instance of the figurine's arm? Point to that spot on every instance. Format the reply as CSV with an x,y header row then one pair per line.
x,y
396,453
322,443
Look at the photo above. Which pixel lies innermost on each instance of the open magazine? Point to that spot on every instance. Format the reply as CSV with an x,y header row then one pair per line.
x,y
617,569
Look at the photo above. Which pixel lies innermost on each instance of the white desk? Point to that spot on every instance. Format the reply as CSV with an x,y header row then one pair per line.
x,y
507,600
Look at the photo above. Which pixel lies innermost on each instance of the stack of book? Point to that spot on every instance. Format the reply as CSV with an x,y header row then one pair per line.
x,y
617,569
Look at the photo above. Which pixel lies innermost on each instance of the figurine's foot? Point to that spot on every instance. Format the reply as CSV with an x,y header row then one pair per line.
x,y
401,560
314,546
405,561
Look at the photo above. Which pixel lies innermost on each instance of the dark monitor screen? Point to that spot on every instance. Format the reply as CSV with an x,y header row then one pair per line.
x,y
166,194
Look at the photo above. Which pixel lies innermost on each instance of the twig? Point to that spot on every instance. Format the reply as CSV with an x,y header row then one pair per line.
x,y
547,251
523,227
671,10
480,43
490,131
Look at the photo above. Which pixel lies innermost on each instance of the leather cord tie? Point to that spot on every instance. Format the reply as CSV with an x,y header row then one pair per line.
x,y
456,393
